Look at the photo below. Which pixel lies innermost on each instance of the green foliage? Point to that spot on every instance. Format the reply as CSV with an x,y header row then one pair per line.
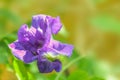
x,y
4,51
20,70
82,75
106,23
87,65
78,75
96,78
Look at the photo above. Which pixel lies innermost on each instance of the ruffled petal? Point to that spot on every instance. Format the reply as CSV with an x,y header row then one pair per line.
x,y
46,66
47,36
32,35
39,21
19,51
23,33
61,48
55,24
44,21
26,34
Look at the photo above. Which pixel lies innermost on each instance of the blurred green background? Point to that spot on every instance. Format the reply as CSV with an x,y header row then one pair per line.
x,y
92,26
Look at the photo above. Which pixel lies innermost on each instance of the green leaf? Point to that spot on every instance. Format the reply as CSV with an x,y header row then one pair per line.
x,y
96,78
3,56
30,76
4,50
20,70
78,75
82,75
87,65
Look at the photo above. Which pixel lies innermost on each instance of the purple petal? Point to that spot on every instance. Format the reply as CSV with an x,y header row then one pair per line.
x,y
23,33
44,21
32,35
58,66
45,41
47,36
61,48
29,57
41,23
38,21
19,51
26,34
55,24
46,66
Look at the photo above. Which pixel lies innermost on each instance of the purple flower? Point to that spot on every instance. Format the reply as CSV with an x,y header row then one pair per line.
x,y
36,42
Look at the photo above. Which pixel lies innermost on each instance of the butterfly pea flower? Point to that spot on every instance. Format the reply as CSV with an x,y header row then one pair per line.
x,y
36,42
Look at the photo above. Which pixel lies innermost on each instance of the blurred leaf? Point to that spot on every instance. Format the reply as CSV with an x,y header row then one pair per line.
x,y
7,21
51,76
96,78
62,77
3,55
82,75
87,65
102,69
106,23
20,70
78,75
8,15
30,76
4,50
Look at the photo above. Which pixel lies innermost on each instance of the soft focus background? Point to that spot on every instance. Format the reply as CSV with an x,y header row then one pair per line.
x,y
92,26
